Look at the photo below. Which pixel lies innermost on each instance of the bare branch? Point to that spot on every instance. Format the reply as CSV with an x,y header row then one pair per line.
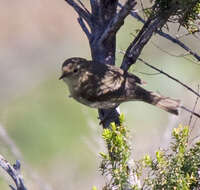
x,y
183,55
194,138
81,11
169,76
167,36
178,81
193,126
137,45
84,28
13,172
84,7
155,22
118,20
190,111
178,42
134,14
150,74
195,104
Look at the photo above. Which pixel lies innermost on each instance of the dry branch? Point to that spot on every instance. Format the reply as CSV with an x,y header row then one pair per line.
x,y
154,23
169,76
81,12
167,36
13,172
118,20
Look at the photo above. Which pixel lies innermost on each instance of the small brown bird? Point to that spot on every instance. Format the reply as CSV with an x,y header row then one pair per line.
x,y
106,86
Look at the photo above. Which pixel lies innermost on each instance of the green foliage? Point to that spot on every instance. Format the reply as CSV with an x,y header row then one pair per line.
x,y
184,12
177,168
190,16
115,163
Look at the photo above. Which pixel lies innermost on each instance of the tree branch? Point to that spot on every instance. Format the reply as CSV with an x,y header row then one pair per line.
x,y
178,81
169,76
84,7
84,28
190,111
82,12
135,48
13,172
165,35
178,42
153,24
155,21
118,20
195,104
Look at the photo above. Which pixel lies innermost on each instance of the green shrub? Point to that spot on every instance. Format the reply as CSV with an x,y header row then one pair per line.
x,y
176,168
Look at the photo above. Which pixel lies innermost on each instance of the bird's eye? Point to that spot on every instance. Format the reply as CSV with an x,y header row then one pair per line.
x,y
75,70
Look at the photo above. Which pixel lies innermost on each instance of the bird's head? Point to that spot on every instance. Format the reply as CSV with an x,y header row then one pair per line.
x,y
72,67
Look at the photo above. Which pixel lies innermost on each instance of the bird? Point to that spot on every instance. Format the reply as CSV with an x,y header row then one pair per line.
x,y
105,86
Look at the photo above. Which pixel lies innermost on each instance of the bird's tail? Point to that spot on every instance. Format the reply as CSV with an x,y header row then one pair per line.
x,y
168,104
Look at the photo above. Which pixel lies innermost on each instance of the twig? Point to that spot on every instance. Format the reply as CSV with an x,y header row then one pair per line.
x,y
169,53
118,20
136,46
84,28
80,11
195,121
169,76
183,55
178,42
134,14
194,138
142,6
190,111
195,104
13,172
150,74
83,6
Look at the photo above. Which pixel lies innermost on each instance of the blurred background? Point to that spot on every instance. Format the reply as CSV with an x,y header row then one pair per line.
x,y
57,139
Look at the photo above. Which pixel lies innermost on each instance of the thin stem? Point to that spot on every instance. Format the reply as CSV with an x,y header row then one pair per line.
x,y
80,11
84,28
195,104
169,76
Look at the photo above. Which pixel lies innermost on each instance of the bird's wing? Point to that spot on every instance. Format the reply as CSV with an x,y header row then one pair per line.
x,y
112,81
106,83
103,82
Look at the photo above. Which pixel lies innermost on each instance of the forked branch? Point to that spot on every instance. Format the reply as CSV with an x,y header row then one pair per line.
x,y
84,14
14,173
167,36
118,20
155,22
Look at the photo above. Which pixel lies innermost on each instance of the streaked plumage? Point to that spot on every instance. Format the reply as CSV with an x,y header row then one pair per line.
x,y
105,86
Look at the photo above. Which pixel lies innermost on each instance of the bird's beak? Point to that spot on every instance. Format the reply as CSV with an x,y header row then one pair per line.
x,y
62,76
